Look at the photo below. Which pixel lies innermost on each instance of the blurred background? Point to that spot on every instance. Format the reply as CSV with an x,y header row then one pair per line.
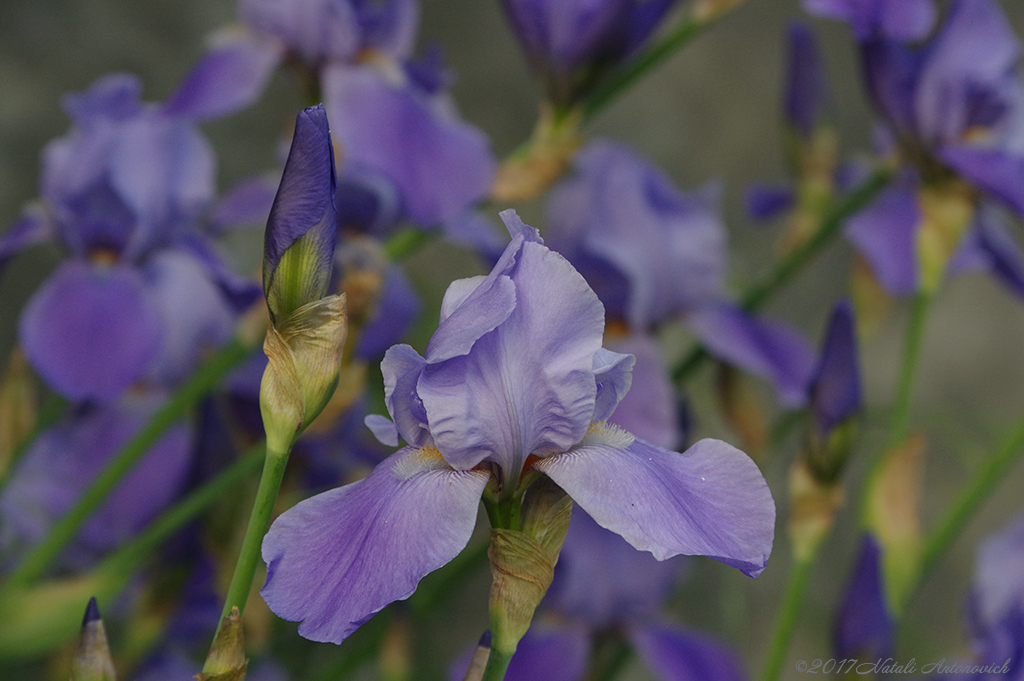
x,y
711,112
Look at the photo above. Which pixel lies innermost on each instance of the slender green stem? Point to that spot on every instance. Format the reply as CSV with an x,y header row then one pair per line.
x,y
899,427
756,294
497,665
204,380
407,242
786,622
680,34
985,479
259,522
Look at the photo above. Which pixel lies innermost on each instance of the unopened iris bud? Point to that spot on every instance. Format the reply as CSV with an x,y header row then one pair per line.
x,y
226,660
92,660
308,327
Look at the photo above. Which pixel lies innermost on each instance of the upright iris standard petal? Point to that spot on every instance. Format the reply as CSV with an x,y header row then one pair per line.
x,y
302,228
710,500
440,164
835,388
91,331
336,559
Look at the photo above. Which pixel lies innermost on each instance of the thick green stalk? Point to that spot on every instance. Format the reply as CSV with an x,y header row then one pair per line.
x,y
259,522
204,380
790,611
497,665
755,295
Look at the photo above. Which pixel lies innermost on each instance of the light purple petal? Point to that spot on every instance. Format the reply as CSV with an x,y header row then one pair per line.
x,y
402,367
336,559
999,573
676,654
33,227
650,409
710,500
390,26
91,332
993,170
613,372
247,203
885,234
489,303
602,581
440,164
835,391
1000,250
383,429
228,78
314,29
894,19
239,290
527,387
196,317
766,348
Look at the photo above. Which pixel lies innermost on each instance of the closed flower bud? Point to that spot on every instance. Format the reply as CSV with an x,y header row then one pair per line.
x,y
92,660
226,660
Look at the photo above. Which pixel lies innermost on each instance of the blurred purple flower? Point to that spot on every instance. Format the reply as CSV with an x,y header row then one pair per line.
x,y
515,377
143,293
571,43
65,459
894,19
864,624
653,253
835,388
806,96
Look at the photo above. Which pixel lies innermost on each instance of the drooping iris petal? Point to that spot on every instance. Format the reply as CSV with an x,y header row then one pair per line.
x,y
649,410
65,459
336,559
195,314
895,19
527,387
440,164
228,78
91,332
602,581
303,211
763,347
835,388
884,232
710,500
864,625
676,654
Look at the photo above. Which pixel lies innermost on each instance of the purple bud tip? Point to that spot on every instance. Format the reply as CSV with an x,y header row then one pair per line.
x,y
485,640
92,612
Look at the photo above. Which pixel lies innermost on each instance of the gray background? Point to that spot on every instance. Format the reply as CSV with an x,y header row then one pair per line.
x,y
711,112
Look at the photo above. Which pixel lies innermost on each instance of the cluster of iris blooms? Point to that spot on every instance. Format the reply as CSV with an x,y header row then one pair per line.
x,y
545,392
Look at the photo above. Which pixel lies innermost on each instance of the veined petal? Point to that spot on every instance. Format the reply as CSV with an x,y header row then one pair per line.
x,y
613,372
527,387
336,559
675,654
710,500
401,368
91,332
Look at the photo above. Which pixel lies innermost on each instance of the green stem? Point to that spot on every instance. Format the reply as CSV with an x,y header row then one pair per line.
x,y
259,522
982,483
407,242
204,380
680,34
497,665
788,615
755,295
609,657
899,427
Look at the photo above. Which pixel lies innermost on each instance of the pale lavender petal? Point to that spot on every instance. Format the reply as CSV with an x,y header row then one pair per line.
x,y
91,332
993,170
488,304
894,19
314,29
336,559
765,348
474,231
1000,251
389,26
402,367
441,164
228,78
602,581
383,429
247,203
835,390
239,290
999,573
677,654
885,234
710,500
528,386
650,409
33,227
613,372
195,315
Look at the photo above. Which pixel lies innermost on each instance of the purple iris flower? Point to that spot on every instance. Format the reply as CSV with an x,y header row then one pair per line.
x,y
835,389
895,19
514,378
571,43
143,292
653,253
65,458
955,106
805,83
997,601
